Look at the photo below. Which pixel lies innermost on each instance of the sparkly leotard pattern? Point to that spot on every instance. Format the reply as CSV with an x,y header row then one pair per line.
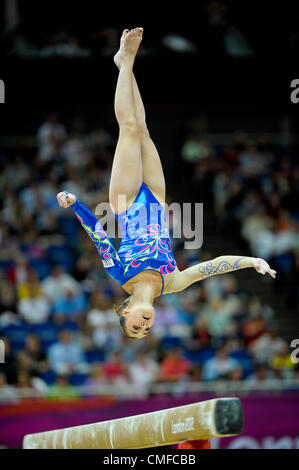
x,y
145,242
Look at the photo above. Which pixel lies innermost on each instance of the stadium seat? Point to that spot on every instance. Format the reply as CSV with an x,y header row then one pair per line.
x,y
47,332
206,354
94,356
61,255
79,378
245,360
68,226
16,334
41,266
200,356
5,264
49,377
169,342
69,325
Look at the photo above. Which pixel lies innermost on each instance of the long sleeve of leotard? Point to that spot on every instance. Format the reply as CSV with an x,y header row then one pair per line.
x,y
105,247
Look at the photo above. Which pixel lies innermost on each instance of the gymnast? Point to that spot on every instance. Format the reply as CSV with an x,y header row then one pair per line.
x,y
144,264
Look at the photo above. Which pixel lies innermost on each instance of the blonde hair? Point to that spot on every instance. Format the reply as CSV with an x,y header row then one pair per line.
x,y
122,319
120,308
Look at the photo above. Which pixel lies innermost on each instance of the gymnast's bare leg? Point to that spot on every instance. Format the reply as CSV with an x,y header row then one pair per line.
x,y
152,172
126,174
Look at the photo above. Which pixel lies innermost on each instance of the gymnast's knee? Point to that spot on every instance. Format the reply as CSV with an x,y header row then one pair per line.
x,y
144,132
130,127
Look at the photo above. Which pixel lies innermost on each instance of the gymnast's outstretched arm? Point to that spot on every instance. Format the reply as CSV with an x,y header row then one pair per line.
x,y
220,265
94,229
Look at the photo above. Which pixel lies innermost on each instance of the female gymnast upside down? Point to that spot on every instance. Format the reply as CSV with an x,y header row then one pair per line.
x,y
144,265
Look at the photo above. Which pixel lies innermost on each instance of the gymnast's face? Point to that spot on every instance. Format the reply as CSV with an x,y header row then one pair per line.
x,y
139,320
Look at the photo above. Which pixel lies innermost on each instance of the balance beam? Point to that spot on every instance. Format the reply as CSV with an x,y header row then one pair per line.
x,y
204,420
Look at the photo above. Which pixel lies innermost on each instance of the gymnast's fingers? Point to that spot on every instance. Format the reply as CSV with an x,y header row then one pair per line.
x,y
62,200
272,273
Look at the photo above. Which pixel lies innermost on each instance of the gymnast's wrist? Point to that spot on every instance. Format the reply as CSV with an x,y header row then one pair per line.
x,y
75,204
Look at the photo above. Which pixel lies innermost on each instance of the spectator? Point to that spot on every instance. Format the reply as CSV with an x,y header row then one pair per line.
x,y
35,197
36,357
262,375
64,44
7,297
217,317
264,348
9,368
143,372
75,151
50,136
115,369
32,283
25,385
103,326
70,307
58,283
195,149
19,272
62,389
66,356
108,338
255,325
166,317
282,363
174,367
196,373
96,378
7,392
236,374
35,308
220,366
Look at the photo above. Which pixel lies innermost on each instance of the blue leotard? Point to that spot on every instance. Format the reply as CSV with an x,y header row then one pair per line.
x,y
145,242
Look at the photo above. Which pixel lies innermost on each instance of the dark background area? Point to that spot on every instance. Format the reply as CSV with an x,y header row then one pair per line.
x,y
215,79
208,76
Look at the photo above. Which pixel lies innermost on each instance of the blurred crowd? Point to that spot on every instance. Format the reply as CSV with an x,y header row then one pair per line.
x,y
56,316
221,30
254,185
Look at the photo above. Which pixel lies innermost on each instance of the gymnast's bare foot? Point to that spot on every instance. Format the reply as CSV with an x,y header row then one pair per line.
x,y
129,44
66,199
118,55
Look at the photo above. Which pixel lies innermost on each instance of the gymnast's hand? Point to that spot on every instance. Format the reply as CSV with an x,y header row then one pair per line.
x,y
66,199
262,267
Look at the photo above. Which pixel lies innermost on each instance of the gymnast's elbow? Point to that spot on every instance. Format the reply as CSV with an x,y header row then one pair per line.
x,y
181,282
